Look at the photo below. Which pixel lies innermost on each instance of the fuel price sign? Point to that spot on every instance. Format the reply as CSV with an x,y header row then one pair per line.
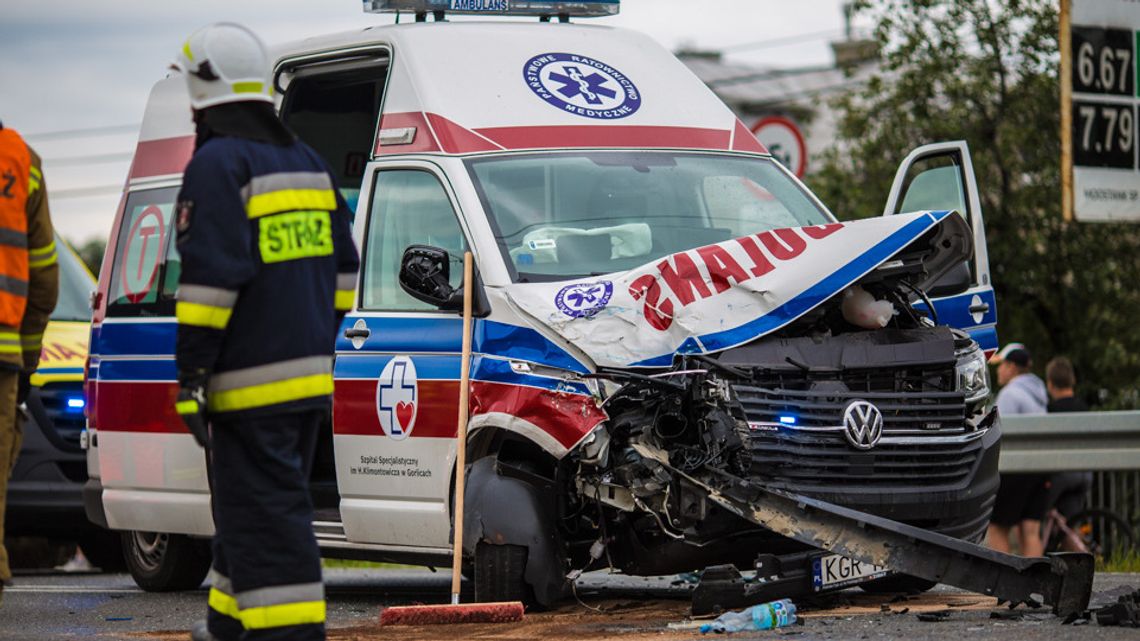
x,y
1100,92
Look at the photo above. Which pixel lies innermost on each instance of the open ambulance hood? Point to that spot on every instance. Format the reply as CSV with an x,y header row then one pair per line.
x,y
715,297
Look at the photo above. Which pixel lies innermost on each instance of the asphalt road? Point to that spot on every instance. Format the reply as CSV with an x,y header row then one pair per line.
x,y
109,606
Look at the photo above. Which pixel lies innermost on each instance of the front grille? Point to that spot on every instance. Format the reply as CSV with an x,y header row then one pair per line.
x,y
797,438
67,421
808,460
903,412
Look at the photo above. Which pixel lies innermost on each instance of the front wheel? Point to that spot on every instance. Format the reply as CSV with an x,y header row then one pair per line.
x,y
1105,533
499,574
161,562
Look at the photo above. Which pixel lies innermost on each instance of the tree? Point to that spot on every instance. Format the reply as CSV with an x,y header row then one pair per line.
x,y
987,72
91,253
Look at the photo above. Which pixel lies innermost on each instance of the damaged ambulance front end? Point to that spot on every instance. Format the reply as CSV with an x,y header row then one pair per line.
x,y
746,336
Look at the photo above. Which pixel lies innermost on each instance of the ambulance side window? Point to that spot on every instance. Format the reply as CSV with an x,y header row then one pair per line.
x,y
144,275
409,207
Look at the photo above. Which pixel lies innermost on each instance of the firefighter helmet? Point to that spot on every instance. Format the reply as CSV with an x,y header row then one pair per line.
x,y
224,62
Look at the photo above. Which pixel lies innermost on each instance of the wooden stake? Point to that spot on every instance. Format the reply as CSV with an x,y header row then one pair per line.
x,y
461,433
1065,41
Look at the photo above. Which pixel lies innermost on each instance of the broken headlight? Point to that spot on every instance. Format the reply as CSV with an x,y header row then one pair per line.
x,y
973,375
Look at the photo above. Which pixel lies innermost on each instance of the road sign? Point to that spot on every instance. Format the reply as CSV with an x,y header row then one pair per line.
x,y
1100,92
784,139
143,253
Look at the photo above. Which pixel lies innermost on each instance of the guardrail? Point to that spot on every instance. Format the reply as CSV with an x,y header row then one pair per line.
x,y
1078,441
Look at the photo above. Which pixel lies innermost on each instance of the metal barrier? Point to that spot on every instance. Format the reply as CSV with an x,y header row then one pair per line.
x,y
1078,441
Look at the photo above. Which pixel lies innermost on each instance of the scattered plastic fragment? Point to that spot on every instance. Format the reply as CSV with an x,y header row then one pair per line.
x,y
1125,612
934,617
119,619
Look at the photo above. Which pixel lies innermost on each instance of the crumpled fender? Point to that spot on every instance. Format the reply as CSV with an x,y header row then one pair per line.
x,y
508,511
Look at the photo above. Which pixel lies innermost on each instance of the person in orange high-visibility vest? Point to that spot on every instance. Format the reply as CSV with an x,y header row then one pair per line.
x,y
29,286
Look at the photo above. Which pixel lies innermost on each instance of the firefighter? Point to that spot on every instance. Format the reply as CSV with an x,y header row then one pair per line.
x,y
29,286
268,271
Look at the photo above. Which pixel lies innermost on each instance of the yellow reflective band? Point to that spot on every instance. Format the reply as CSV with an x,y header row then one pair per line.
x,y
200,315
36,173
223,603
43,251
42,262
276,616
10,349
186,51
188,406
294,235
33,184
274,202
248,87
284,391
343,300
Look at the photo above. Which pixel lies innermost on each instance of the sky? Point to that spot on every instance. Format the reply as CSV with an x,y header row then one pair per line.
x,y
75,74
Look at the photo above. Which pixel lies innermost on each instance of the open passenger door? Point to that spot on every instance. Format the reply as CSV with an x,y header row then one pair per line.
x,y
938,177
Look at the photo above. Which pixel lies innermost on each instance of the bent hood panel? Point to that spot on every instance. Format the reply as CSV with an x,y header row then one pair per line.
x,y
716,297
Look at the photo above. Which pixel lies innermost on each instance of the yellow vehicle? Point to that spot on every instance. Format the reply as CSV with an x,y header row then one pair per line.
x,y
45,494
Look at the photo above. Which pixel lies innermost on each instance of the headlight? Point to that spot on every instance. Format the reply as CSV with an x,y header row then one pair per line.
x,y
973,375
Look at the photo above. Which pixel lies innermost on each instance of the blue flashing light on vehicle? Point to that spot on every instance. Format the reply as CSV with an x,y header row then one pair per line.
x,y
539,8
76,403
788,420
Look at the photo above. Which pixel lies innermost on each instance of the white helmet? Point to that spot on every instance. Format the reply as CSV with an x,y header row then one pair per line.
x,y
224,62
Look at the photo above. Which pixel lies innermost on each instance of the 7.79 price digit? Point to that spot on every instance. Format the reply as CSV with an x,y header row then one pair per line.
x,y
1104,135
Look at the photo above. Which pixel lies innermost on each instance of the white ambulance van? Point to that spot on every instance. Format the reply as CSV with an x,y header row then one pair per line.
x,y
651,286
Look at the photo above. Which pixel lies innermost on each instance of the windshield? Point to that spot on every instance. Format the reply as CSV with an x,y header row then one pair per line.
x,y
75,286
564,216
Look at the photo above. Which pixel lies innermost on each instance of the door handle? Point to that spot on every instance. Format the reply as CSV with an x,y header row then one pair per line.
x,y
980,308
364,332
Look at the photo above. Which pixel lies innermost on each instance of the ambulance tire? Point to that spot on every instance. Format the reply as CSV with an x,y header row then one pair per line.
x,y
161,562
104,549
499,574
898,584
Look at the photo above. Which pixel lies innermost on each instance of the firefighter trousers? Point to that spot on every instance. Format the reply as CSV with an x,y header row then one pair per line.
x,y
11,437
266,577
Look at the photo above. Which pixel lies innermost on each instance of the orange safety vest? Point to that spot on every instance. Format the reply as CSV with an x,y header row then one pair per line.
x,y
15,184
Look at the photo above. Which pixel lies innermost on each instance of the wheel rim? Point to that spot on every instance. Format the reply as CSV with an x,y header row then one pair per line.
x,y
148,548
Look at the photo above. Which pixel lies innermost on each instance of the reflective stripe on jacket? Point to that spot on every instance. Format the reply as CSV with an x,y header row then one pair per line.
x,y
29,273
266,247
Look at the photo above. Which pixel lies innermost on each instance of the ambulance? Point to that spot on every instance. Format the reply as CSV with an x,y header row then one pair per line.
x,y
655,297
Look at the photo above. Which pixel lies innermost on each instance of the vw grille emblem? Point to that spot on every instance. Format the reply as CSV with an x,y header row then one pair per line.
x,y
863,424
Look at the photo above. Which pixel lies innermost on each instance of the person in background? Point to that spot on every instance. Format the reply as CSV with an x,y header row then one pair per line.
x,y
1067,490
1022,499
29,287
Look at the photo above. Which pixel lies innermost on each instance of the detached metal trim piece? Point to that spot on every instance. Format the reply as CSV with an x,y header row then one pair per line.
x,y
1078,441
1063,581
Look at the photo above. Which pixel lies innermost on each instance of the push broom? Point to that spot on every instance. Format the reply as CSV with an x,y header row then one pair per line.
x,y
456,612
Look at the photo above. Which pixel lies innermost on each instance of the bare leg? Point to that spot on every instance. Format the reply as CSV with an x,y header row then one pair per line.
x,y
1029,537
997,537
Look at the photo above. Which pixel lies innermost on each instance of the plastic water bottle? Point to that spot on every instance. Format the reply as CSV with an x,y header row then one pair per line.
x,y
775,614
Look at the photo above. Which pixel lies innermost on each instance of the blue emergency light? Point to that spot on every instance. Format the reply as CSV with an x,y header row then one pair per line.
x,y
540,8
75,404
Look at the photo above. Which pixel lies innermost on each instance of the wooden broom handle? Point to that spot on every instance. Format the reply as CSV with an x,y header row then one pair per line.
x,y
461,433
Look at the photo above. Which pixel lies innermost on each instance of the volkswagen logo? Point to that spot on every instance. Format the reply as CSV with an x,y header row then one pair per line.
x,y
863,425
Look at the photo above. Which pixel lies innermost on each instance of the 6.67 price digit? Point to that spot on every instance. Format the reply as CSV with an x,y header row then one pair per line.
x,y
1104,135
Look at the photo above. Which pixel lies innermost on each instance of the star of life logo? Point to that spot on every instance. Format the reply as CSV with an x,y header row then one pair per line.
x,y
584,299
582,86
397,395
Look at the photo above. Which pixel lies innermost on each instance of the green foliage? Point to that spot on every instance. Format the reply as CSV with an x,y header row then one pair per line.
x,y
987,72
91,253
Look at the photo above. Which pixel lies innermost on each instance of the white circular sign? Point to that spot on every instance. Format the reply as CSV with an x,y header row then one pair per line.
x,y
784,140
397,398
143,253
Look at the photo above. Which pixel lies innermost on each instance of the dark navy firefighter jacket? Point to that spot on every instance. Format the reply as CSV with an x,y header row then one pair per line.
x,y
268,271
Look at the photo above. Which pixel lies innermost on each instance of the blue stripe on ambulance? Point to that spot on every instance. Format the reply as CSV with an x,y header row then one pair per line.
x,y
445,367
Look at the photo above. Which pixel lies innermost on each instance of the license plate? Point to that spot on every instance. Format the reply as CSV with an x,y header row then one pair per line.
x,y
831,571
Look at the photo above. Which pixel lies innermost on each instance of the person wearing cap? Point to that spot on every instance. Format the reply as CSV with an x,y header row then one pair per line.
x,y
268,271
1022,499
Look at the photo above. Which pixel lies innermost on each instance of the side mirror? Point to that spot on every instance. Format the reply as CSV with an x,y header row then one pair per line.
x,y
955,281
424,275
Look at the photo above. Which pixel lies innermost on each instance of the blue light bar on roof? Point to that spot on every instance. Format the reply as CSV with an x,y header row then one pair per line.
x,y
579,9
